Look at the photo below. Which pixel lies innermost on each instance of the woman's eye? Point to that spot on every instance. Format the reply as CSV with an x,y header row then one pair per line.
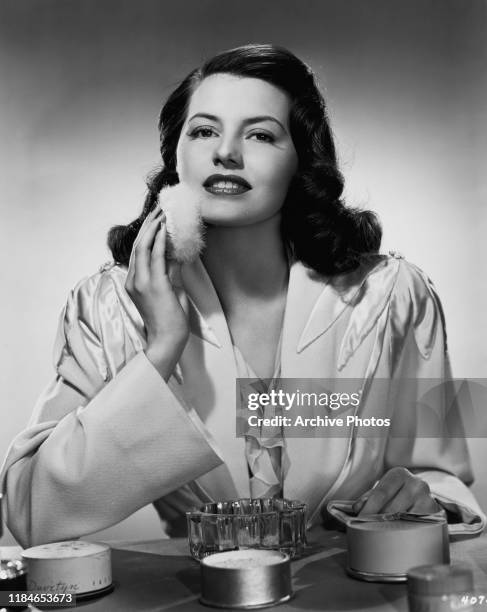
x,y
202,132
262,137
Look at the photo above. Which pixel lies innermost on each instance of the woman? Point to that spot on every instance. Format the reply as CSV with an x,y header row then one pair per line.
x,y
289,284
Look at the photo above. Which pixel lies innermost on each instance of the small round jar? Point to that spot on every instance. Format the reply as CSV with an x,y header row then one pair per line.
x,y
245,579
73,566
384,551
440,588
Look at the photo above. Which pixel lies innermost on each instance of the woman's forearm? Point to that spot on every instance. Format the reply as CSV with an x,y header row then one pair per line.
x,y
131,444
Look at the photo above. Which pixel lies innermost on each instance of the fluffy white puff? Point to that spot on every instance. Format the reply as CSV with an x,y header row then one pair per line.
x,y
183,221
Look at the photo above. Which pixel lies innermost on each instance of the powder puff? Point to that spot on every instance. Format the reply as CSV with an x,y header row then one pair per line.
x,y
182,206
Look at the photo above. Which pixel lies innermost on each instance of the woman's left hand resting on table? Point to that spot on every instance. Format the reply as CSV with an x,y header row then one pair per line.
x,y
397,491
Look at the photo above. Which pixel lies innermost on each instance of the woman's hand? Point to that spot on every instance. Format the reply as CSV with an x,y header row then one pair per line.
x,y
151,289
397,491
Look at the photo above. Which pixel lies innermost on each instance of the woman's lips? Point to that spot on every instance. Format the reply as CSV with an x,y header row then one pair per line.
x,y
226,188
226,184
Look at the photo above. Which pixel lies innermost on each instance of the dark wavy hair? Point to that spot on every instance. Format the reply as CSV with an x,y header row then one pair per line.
x,y
317,227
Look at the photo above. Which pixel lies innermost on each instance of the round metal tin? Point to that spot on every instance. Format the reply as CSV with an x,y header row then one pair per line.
x,y
245,579
384,551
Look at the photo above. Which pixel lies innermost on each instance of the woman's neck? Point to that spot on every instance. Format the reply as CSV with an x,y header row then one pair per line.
x,y
247,262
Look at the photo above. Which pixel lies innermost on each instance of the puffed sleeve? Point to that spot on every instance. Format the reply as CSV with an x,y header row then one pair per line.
x,y
423,404
107,436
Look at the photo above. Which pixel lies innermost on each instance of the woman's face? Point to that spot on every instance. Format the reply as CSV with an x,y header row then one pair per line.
x,y
235,148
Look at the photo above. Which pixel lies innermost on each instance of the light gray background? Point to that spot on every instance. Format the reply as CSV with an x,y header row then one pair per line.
x,y
81,85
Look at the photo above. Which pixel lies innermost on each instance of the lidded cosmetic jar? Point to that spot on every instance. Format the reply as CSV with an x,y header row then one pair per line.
x,y
384,551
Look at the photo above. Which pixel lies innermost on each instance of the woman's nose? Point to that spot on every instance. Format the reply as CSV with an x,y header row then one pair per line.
x,y
228,154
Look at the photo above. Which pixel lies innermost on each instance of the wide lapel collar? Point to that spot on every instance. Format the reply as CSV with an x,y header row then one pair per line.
x,y
304,289
316,302
313,305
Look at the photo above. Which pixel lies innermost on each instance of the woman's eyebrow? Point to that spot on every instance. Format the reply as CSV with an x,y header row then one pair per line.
x,y
249,120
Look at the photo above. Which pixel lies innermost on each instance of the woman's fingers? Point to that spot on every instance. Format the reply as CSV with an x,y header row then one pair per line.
x,y
158,256
141,251
403,500
425,503
397,491
145,224
134,262
412,491
165,321
385,490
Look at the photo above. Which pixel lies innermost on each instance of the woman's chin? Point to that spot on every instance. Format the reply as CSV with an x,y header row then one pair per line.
x,y
229,215
225,214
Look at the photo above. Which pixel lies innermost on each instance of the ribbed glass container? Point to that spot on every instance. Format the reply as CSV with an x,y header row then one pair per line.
x,y
264,523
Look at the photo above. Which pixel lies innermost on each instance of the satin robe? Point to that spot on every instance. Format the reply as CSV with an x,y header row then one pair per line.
x,y
109,436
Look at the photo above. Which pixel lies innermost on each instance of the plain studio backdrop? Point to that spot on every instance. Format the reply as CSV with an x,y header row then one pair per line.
x,y
82,82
